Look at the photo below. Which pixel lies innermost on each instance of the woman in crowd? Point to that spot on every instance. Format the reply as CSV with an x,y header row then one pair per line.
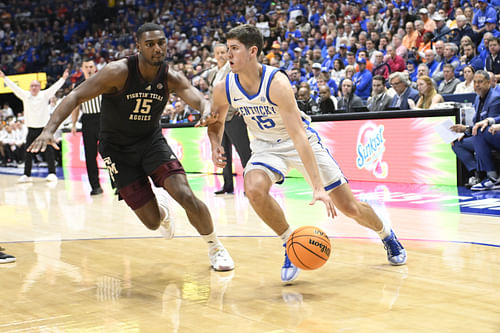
x,y
428,95
466,86
338,71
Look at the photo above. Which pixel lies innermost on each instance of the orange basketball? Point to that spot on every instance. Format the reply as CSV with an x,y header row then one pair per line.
x,y
308,247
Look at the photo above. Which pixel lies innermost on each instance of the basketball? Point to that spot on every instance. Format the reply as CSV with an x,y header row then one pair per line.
x,y
308,247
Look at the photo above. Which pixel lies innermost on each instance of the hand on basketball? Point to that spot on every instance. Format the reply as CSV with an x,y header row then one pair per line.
x,y
219,157
323,196
40,143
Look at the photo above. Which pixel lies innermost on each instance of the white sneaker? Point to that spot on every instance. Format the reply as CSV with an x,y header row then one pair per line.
x,y
24,179
51,177
167,226
220,259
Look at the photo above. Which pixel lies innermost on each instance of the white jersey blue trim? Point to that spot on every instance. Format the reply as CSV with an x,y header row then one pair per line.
x,y
261,115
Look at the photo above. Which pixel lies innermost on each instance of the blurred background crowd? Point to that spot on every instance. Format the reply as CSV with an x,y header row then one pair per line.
x,y
339,55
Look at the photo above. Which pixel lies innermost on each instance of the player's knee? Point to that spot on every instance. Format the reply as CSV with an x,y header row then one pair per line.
x,y
352,209
187,199
254,192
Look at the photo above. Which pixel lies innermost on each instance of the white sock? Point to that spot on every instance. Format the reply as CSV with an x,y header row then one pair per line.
x,y
284,236
212,240
384,232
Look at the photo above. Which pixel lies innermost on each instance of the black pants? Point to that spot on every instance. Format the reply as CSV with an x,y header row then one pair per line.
x,y
90,133
33,133
235,133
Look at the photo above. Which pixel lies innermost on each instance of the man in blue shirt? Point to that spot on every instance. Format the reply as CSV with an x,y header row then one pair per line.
x,y
362,80
469,58
484,13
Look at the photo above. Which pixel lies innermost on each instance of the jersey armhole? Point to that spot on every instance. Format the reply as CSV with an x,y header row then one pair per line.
x,y
271,76
228,95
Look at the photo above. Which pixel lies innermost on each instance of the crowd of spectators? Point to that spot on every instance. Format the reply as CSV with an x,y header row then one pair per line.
x,y
335,44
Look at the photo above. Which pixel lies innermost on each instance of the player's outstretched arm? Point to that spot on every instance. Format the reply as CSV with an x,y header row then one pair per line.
x,y
108,80
281,94
185,90
215,129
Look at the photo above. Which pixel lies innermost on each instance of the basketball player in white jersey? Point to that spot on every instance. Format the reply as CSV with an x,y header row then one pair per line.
x,y
283,139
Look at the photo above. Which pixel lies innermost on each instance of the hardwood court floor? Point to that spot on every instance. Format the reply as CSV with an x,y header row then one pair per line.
x,y
86,264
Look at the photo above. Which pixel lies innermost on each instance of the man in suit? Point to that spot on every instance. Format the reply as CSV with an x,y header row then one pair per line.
x,y
349,101
401,84
487,106
379,100
235,130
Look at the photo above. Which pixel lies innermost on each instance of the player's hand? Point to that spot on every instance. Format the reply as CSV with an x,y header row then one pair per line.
x,y
206,119
65,74
323,196
40,143
480,125
2,74
73,130
218,156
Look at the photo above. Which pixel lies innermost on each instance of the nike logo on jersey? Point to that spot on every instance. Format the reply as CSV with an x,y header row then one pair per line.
x,y
148,87
237,99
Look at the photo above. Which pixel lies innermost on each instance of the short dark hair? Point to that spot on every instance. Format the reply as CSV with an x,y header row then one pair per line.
x,y
495,39
87,59
379,78
147,27
248,35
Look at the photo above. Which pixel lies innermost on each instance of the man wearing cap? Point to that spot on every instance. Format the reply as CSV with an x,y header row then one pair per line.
x,y
362,80
275,50
316,72
442,29
481,15
429,24
342,54
491,26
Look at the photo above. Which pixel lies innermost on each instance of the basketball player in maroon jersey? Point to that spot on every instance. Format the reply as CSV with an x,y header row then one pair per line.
x,y
134,93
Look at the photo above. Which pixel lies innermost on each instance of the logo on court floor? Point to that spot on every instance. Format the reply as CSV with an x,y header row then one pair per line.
x,y
370,150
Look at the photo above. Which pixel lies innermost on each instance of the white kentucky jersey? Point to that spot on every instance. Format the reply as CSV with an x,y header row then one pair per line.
x,y
260,113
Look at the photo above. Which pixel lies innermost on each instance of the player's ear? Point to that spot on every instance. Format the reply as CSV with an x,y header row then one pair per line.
x,y
254,50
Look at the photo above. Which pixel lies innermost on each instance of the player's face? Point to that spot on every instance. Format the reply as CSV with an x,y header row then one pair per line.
x,y
153,47
238,55
88,68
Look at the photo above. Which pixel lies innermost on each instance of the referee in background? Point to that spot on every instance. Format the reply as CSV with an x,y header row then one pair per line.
x,y
91,111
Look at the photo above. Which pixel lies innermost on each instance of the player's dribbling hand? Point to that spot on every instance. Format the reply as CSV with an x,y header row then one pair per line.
x,y
218,157
41,143
323,196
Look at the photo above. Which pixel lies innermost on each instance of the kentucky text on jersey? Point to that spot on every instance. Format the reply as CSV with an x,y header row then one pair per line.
x,y
145,95
262,110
